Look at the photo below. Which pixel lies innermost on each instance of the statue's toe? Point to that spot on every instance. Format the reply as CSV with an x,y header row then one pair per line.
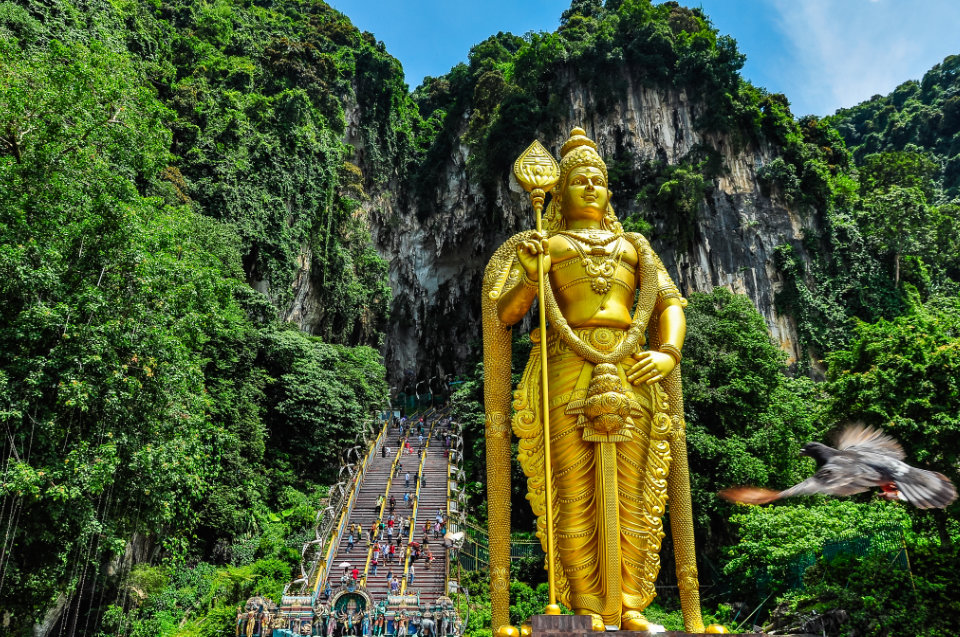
x,y
634,620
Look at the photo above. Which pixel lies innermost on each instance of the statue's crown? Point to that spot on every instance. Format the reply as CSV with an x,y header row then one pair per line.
x,y
579,150
578,138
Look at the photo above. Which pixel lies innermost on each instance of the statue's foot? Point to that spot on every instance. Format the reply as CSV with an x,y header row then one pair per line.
x,y
596,621
633,620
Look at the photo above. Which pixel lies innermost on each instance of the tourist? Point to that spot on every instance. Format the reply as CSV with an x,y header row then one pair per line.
x,y
350,542
410,572
383,451
375,561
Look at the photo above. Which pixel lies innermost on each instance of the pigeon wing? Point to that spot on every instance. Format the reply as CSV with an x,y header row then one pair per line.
x,y
839,476
925,489
859,437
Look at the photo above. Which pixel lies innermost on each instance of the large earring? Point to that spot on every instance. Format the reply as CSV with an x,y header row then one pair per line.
x,y
611,222
553,220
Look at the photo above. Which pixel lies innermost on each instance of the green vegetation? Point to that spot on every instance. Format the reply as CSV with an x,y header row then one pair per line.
x,y
152,401
916,117
746,420
174,173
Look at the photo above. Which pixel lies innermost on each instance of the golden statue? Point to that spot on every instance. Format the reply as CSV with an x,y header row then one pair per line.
x,y
612,408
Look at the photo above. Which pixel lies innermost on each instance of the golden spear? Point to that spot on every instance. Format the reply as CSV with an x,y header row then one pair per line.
x,y
537,171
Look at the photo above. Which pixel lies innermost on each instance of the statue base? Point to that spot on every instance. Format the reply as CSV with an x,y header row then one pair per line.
x,y
579,626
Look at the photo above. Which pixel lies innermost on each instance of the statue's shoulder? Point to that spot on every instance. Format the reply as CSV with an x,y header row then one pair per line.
x,y
504,255
515,239
639,241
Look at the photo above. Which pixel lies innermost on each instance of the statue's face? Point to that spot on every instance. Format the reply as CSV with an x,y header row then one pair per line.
x,y
586,195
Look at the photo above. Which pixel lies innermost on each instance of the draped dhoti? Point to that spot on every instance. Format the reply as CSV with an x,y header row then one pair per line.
x,y
610,453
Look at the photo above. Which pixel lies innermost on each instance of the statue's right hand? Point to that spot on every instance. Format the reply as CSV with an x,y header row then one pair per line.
x,y
527,252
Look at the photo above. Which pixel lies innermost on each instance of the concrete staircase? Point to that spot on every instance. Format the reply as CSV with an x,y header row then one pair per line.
x,y
431,495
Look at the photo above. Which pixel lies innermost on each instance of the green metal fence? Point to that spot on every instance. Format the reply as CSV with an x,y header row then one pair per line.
x,y
886,542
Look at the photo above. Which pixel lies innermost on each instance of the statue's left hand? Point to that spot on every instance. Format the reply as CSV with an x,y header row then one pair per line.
x,y
651,367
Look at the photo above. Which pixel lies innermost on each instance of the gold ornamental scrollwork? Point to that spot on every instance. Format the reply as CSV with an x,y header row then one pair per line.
x,y
497,425
598,411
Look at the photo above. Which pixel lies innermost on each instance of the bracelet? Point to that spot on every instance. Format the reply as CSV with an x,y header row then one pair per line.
x,y
528,282
673,351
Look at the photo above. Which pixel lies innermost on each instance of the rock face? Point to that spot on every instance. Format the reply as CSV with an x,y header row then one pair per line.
x,y
438,249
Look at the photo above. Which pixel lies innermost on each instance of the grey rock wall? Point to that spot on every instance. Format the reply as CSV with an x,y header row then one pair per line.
x,y
438,248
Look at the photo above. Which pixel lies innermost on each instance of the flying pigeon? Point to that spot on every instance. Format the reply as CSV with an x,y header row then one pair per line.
x,y
865,457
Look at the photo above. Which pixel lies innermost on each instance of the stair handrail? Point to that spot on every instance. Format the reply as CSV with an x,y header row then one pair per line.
x,y
416,506
452,526
339,507
386,497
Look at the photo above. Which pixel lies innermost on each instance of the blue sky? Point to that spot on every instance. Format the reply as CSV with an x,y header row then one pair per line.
x,y
822,54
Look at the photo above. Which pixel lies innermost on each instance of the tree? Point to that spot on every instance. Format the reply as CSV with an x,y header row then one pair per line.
x,y
745,418
896,217
903,375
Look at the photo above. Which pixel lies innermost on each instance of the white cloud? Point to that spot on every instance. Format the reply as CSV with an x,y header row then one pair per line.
x,y
845,52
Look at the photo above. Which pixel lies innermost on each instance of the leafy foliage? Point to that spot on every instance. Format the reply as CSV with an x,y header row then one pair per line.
x,y
867,597
777,543
151,400
746,420
919,116
903,375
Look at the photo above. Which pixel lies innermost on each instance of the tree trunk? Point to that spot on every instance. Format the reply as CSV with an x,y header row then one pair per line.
x,y
941,519
896,269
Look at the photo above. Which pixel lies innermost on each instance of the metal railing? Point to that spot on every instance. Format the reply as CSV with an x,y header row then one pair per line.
x,y
386,497
416,508
331,521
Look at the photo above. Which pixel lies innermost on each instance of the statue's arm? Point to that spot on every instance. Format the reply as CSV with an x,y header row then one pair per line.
x,y
517,299
668,323
669,309
523,277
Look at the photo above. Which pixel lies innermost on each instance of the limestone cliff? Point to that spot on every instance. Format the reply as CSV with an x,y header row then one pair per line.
x,y
438,246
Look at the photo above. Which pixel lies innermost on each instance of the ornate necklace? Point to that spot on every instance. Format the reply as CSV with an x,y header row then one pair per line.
x,y
591,236
643,308
599,265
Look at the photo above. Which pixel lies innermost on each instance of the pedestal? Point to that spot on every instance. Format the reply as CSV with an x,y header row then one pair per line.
x,y
579,626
